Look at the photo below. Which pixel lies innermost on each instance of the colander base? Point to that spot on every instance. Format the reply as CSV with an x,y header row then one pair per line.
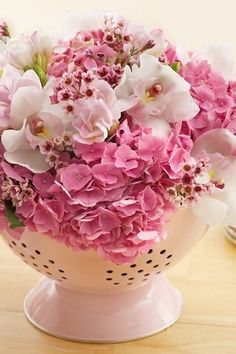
x,y
103,317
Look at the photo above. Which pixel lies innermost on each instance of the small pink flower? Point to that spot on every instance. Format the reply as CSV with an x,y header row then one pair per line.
x,y
127,206
75,177
150,147
42,182
108,220
126,158
59,62
48,215
88,197
149,199
91,152
109,153
27,208
107,173
223,104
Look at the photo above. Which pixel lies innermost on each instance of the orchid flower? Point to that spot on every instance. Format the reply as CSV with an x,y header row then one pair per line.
x,y
218,207
30,124
155,95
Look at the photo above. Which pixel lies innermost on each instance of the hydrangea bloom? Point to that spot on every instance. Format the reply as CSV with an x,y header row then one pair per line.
x,y
106,132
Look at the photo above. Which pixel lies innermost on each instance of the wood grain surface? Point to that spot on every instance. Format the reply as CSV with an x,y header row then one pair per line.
x,y
206,278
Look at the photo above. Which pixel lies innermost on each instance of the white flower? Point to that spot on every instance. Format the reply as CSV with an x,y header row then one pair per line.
x,y
75,21
154,94
219,145
43,43
21,51
140,38
160,43
31,123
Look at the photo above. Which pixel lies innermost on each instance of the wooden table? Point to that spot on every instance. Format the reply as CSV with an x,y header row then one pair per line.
x,y
206,278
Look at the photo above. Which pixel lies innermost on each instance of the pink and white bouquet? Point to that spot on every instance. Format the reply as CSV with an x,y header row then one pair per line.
x,y
109,130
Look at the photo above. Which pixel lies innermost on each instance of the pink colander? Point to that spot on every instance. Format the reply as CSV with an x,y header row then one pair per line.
x,y
85,298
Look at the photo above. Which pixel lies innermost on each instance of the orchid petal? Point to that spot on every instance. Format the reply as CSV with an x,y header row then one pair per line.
x,y
215,141
25,102
75,21
211,210
31,159
15,139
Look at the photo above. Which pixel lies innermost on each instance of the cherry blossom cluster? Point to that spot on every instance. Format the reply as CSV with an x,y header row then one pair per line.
x,y
108,130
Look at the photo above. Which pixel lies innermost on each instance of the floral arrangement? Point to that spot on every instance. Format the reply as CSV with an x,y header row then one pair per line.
x,y
109,130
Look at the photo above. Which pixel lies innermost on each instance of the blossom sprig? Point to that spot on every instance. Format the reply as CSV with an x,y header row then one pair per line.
x,y
194,181
108,131
4,31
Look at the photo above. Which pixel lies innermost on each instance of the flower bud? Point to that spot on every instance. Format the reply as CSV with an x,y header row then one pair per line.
x,y
20,52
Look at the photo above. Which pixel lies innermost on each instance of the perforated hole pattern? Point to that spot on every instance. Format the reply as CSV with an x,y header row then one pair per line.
x,y
154,261
140,274
48,268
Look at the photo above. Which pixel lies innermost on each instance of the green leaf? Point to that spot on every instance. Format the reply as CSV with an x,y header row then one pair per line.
x,y
41,74
176,66
11,216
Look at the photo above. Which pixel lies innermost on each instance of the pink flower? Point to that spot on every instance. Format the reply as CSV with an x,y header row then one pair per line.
x,y
88,197
150,147
88,226
109,153
103,91
148,200
108,220
59,62
126,158
42,182
91,152
108,174
223,104
10,171
94,120
48,215
127,206
27,209
75,177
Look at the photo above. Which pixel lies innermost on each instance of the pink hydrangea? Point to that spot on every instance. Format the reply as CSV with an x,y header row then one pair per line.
x,y
59,62
214,95
104,135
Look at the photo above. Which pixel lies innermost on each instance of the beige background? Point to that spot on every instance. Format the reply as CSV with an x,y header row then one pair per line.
x,y
193,22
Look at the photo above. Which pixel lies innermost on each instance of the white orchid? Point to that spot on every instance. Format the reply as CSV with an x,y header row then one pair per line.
x,y
75,21
30,123
219,146
25,51
141,36
155,95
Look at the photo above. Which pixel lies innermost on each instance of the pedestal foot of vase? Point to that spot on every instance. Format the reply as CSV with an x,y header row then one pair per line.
x,y
104,317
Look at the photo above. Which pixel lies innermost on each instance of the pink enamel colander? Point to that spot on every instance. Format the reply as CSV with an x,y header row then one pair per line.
x,y
85,298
